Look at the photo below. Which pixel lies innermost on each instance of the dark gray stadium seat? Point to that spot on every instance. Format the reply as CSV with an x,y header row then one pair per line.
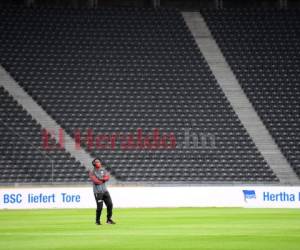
x,y
262,47
119,69
22,156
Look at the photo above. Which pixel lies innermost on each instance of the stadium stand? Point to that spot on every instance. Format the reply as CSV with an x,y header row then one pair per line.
x,y
120,69
23,158
263,49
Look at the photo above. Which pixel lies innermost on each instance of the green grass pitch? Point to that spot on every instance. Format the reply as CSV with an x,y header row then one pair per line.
x,y
159,228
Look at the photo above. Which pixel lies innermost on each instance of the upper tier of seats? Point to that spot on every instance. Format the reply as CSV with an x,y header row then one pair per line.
x,y
263,49
116,70
23,155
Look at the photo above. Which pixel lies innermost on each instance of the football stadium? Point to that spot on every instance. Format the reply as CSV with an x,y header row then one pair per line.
x,y
150,124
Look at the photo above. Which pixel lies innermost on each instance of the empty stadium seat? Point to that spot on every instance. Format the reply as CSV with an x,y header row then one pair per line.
x,y
119,69
263,49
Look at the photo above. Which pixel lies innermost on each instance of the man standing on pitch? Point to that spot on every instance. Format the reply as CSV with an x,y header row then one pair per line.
x,y
99,176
